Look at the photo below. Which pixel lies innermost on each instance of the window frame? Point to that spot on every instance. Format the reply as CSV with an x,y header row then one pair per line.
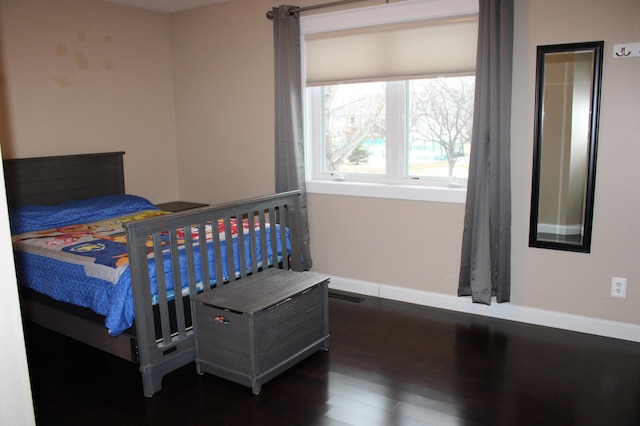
x,y
402,12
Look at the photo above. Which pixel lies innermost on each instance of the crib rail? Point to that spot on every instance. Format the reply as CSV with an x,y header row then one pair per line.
x,y
166,340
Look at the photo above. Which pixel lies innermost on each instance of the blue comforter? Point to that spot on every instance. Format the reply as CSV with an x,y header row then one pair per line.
x,y
76,252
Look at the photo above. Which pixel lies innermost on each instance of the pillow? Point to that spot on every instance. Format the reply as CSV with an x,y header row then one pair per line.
x,y
33,218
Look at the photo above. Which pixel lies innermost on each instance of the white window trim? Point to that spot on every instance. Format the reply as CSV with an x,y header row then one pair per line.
x,y
380,190
406,11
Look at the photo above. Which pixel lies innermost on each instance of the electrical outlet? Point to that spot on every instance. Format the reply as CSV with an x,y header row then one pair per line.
x,y
619,287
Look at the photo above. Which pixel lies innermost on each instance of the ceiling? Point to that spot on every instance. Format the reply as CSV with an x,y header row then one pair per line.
x,y
166,6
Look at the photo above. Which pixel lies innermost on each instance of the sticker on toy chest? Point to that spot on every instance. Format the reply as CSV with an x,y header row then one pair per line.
x,y
222,320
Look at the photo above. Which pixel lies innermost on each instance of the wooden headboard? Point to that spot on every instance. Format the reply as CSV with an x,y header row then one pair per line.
x,y
52,180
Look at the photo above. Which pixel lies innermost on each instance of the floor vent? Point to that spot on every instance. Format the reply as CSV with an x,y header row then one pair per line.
x,y
346,297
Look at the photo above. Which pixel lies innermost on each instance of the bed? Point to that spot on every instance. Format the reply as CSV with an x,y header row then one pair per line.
x,y
241,238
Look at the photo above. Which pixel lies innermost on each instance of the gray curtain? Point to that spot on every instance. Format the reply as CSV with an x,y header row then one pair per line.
x,y
485,269
289,136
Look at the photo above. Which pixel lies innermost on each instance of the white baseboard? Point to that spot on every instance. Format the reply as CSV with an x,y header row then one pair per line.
x,y
507,311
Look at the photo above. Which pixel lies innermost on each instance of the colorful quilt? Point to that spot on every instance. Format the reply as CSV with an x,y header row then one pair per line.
x,y
100,247
87,263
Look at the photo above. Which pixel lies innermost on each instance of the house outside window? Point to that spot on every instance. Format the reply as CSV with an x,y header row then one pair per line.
x,y
389,100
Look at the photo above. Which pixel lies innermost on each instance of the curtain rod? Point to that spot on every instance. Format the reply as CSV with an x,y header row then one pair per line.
x,y
295,9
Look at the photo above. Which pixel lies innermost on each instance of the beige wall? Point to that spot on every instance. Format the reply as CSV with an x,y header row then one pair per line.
x,y
223,142
568,282
86,76
224,104
224,100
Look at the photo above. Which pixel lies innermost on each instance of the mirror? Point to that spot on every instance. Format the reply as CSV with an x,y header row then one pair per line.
x,y
568,80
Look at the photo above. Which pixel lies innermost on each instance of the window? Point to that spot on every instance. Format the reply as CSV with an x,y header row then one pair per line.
x,y
389,106
428,143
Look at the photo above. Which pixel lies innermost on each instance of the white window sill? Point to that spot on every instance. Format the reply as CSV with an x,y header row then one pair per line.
x,y
398,192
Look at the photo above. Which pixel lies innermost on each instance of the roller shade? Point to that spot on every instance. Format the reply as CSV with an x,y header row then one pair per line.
x,y
392,52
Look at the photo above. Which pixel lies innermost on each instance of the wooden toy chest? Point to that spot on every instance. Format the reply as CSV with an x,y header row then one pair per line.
x,y
251,330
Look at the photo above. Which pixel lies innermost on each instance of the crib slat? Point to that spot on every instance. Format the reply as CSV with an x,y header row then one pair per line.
x,y
162,288
217,253
204,258
263,239
177,280
229,246
251,221
296,258
274,236
191,268
242,266
284,222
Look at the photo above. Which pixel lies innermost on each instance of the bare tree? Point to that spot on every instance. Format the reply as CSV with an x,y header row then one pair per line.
x,y
350,120
442,113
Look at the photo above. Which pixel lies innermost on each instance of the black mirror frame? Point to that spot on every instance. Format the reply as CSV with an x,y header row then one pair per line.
x,y
585,246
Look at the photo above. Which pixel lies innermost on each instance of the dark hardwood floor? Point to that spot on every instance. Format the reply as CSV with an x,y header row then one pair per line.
x,y
390,363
